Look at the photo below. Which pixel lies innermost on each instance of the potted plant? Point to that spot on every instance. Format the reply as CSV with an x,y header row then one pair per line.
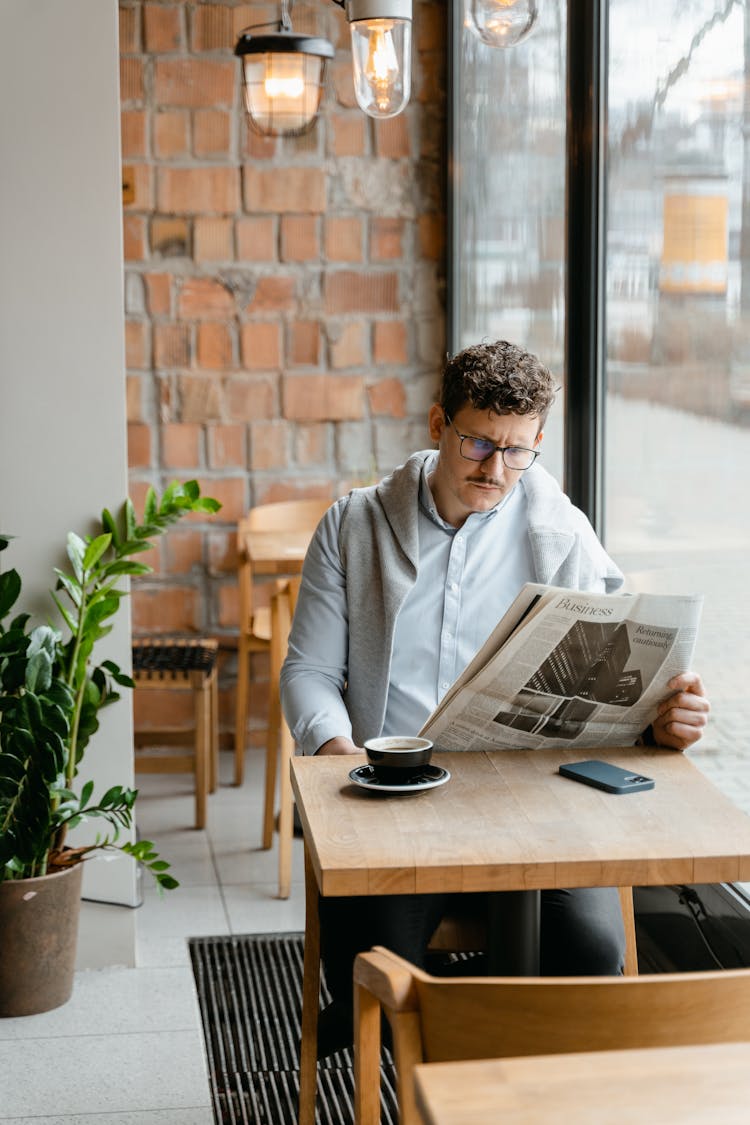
x,y
51,692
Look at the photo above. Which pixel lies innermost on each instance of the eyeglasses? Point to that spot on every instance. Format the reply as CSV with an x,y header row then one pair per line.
x,y
480,449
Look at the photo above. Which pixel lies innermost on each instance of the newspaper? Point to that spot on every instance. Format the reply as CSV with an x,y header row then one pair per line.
x,y
568,669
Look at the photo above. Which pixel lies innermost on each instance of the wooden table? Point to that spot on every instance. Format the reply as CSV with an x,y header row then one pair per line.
x,y
670,1085
506,821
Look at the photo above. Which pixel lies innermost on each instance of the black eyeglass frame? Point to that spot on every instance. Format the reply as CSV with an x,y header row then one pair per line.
x,y
534,453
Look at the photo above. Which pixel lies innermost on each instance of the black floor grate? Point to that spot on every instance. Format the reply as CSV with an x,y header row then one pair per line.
x,y
250,995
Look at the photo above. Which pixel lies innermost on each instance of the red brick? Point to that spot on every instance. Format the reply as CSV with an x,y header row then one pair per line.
x,y
139,445
131,80
222,552
347,345
261,345
304,344
226,446
198,190
213,240
348,135
256,146
300,241
162,26
344,240
388,397
180,445
231,492
386,239
212,28
133,398
278,190
250,397
311,444
349,291
171,345
165,609
134,238
272,294
343,82
431,236
139,176
390,344
269,445
135,344
170,237
201,398
392,137
171,133
313,398
183,551
194,82
158,293
229,611
256,239
205,299
133,132
129,28
211,132
214,346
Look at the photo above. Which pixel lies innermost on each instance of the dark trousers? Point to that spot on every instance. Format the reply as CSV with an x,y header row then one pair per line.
x,y
582,931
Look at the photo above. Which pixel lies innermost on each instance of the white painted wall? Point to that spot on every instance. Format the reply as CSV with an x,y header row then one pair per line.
x,y
62,376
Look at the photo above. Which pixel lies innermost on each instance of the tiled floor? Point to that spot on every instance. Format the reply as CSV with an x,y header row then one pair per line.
x,y
127,1048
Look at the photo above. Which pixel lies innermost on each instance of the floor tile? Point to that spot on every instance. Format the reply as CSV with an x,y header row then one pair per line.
x,y
116,1001
165,922
102,1074
236,863
256,909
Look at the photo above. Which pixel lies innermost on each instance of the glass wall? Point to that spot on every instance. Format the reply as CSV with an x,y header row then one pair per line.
x,y
508,190
678,329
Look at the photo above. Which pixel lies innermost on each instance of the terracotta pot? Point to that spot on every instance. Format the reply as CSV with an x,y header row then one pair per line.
x,y
39,933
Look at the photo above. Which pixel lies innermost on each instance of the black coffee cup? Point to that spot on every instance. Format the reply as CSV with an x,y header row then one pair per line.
x,y
397,758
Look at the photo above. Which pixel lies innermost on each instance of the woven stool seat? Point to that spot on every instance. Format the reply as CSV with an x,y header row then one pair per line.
x,y
178,663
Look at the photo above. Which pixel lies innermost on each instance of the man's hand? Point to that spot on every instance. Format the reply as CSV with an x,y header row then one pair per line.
x,y
339,745
681,717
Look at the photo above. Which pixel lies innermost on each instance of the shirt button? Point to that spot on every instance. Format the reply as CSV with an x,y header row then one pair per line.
x,y
448,636
454,586
446,685
459,538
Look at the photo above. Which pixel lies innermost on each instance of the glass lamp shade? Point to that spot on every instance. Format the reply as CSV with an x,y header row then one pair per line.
x,y
501,23
283,80
381,57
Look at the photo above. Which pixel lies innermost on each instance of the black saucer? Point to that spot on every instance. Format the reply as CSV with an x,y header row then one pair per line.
x,y
429,777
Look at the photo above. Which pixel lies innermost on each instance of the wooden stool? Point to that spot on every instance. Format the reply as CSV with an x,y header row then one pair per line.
x,y
183,665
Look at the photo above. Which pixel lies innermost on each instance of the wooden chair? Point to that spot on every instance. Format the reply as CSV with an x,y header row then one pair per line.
x,y
300,516
279,742
437,1019
182,664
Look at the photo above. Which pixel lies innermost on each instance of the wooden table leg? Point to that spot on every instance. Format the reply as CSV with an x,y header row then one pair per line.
x,y
308,1052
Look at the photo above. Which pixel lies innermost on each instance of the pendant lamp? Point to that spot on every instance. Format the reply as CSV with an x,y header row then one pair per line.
x,y
501,23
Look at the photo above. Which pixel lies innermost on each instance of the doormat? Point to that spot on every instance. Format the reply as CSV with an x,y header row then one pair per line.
x,y
250,995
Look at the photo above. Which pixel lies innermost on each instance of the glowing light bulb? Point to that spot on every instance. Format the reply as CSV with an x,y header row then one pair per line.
x,y
284,87
501,23
381,54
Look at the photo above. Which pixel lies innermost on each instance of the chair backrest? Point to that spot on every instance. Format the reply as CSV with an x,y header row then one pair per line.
x,y
440,1019
287,515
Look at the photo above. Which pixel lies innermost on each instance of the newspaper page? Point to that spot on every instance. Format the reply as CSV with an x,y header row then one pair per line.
x,y
568,669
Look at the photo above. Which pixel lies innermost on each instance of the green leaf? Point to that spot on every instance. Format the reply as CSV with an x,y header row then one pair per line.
x,y
86,793
150,508
130,521
108,523
206,504
76,551
95,550
10,588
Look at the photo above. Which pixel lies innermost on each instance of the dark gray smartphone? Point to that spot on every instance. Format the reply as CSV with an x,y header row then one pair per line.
x,y
604,776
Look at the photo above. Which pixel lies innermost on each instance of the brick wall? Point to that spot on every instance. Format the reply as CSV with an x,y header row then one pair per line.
x,y
284,299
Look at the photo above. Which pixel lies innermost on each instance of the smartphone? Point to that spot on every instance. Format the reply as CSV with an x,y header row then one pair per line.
x,y
604,776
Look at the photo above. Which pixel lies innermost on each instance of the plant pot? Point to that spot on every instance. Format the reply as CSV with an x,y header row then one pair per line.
x,y
39,928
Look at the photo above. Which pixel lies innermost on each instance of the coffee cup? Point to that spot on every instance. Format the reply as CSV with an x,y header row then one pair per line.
x,y
396,757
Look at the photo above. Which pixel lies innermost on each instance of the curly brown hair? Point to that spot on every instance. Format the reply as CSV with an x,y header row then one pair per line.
x,y
500,377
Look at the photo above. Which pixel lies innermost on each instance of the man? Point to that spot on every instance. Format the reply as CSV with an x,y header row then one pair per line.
x,y
402,584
